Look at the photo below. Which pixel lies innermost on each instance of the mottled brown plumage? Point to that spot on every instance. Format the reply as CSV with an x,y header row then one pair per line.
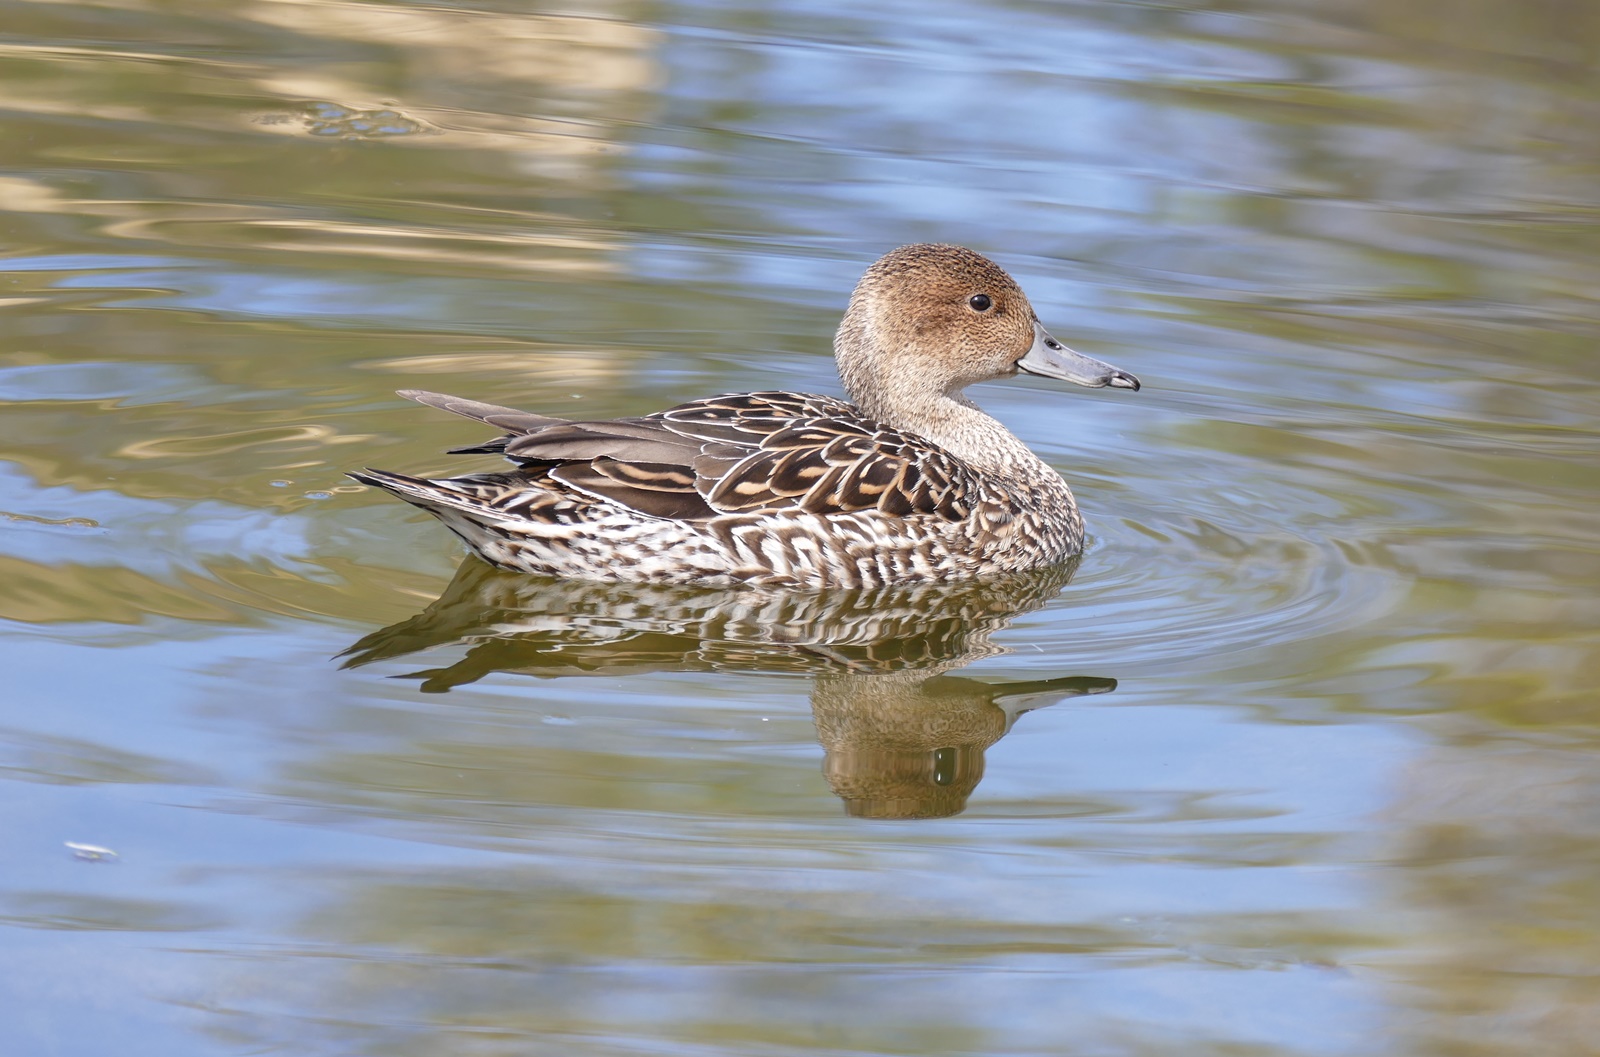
x,y
911,482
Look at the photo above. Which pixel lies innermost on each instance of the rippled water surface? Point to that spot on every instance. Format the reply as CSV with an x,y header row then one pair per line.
x,y
1304,760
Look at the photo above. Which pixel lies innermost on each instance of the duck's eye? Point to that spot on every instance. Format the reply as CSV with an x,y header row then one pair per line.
x,y
980,302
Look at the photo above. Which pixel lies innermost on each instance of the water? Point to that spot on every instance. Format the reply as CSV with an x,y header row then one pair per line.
x,y
1301,762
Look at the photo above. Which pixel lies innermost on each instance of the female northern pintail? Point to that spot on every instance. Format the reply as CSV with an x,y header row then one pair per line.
x,y
909,484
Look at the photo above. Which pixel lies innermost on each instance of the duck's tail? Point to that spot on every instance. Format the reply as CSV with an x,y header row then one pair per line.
x,y
433,496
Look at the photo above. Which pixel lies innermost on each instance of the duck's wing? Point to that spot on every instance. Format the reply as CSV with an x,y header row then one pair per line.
x,y
749,452
778,451
736,453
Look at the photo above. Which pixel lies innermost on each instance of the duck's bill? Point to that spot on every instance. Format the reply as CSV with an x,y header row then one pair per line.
x,y
1048,358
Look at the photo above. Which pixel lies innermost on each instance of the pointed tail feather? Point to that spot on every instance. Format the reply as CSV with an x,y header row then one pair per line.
x,y
456,404
507,418
430,495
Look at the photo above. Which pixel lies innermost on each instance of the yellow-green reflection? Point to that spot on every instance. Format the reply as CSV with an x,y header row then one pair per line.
x,y
903,738
1344,565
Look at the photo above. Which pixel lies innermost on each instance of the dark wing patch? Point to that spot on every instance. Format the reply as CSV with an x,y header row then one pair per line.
x,y
654,489
796,472
735,453
816,454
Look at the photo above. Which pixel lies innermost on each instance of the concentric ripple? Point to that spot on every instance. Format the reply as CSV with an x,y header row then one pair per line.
x,y
1189,567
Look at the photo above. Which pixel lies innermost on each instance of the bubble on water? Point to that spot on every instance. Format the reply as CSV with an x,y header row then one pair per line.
x,y
91,852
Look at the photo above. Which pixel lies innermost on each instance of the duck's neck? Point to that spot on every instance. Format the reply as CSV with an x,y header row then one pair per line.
x,y
887,378
961,427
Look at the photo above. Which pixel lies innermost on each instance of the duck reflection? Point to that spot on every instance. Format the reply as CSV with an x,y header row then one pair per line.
x,y
903,739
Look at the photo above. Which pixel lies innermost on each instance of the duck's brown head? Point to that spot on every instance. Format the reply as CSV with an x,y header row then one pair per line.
x,y
928,320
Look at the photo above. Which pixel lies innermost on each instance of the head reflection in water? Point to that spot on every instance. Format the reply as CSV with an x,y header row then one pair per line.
x,y
910,745
903,739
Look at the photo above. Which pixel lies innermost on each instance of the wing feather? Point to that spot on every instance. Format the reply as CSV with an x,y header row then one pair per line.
x,y
646,488
734,453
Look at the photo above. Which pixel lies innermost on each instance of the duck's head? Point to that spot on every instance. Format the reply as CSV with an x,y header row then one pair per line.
x,y
928,320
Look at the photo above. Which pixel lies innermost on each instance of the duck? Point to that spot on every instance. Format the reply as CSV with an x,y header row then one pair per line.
x,y
906,482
